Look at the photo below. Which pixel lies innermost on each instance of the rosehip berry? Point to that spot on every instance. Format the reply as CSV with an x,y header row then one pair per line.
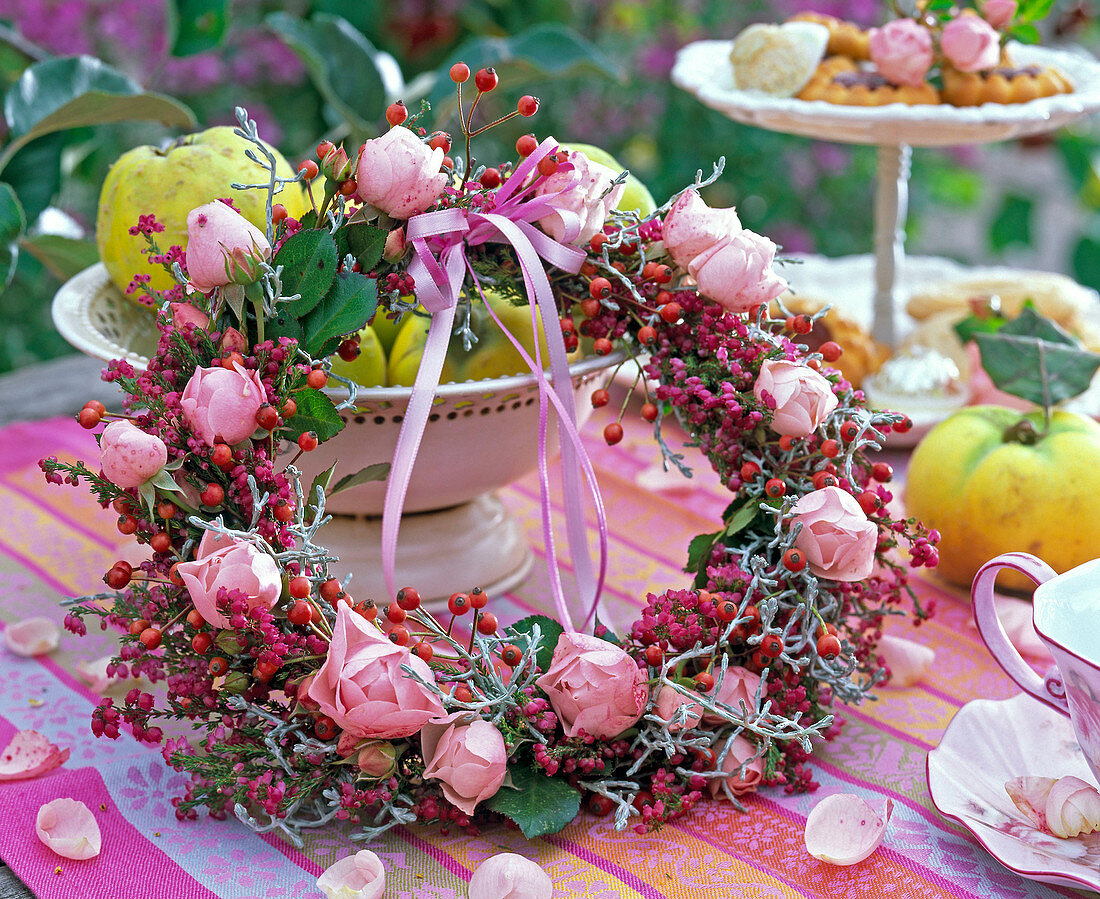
x,y
490,178
704,682
166,510
486,79
771,645
423,651
301,613
174,575
786,443
478,598
284,511
222,456
510,655
309,168
212,495
726,610
347,187
127,525
122,506
150,638
278,213
598,805
831,351
97,406
232,360
218,666
548,165
138,626
599,288
487,624
267,417
882,472
349,349
458,604
308,441
903,426
596,242
526,145
803,324
201,643
408,598
325,728
399,635
662,274
317,378
600,398
647,335
89,418
641,799
367,609
265,671
324,148
463,694
116,578
849,431
775,488
460,73
602,346
824,479
794,559
568,326
613,433
670,313
195,619
749,471
331,591
654,655
650,412
396,113
395,613
828,646
298,587
527,105
161,542
830,449
870,502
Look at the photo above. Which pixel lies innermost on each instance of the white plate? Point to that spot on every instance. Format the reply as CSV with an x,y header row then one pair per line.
x,y
989,742
703,69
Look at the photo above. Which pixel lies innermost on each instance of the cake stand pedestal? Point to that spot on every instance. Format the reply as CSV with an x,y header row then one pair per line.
x,y
704,70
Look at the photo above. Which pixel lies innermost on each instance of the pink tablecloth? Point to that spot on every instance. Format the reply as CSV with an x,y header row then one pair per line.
x,y
56,542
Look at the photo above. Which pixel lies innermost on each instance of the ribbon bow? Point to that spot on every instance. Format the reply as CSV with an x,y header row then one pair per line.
x,y
439,268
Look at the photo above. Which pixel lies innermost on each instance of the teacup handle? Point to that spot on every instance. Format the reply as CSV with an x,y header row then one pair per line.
x,y
993,632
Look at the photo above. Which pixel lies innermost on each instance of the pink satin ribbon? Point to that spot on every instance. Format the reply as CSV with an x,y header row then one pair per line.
x,y
439,268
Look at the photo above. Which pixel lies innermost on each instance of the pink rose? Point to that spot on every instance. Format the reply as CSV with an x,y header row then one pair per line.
x,y
738,687
399,174
361,685
999,13
394,248
358,876
468,759
971,44
691,227
739,782
594,686
187,314
234,564
737,272
510,876
223,247
902,50
128,455
221,403
669,700
803,398
583,205
837,537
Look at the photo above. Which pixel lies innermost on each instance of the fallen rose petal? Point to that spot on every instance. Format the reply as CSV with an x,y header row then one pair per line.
x,y
32,636
28,755
908,661
510,876
94,672
1029,795
68,828
359,876
843,829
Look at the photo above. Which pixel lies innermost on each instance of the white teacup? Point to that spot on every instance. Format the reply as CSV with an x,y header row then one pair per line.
x,y
1066,613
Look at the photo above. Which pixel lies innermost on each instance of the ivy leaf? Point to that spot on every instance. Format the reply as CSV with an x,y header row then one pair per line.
x,y
317,413
549,633
379,471
308,259
1032,358
539,804
343,310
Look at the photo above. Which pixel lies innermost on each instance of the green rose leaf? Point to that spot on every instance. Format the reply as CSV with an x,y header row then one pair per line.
x,y
317,413
539,804
365,242
379,471
13,222
308,259
197,25
343,310
73,92
1032,358
341,62
549,633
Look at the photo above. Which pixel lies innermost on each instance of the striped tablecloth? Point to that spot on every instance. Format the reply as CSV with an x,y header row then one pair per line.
x,y
56,542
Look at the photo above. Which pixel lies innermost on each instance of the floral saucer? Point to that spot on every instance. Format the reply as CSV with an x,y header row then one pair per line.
x,y
989,742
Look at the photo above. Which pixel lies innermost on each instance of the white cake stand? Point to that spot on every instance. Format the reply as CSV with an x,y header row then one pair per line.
x,y
481,435
704,70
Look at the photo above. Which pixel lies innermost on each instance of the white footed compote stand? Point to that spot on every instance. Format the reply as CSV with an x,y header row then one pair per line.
x,y
704,70
481,435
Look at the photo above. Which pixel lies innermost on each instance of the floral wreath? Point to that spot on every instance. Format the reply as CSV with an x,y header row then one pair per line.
x,y
306,704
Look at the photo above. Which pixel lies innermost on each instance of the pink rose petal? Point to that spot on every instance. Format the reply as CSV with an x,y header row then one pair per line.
x,y
68,828
843,829
1029,795
510,876
358,876
28,755
32,636
908,661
